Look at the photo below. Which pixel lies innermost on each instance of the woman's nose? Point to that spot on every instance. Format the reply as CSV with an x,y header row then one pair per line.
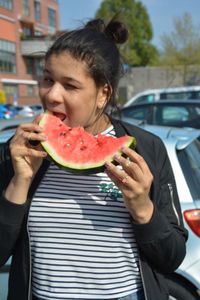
x,y
54,94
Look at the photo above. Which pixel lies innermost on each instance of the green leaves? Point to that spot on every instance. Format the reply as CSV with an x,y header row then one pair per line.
x,y
138,50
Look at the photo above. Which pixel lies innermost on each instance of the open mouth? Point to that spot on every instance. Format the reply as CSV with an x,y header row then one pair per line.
x,y
60,115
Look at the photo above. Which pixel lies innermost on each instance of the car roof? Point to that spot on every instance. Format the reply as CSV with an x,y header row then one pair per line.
x,y
171,89
182,137
174,102
13,123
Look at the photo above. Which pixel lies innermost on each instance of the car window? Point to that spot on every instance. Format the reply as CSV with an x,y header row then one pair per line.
x,y
176,95
197,110
168,114
196,95
145,99
139,113
18,108
189,159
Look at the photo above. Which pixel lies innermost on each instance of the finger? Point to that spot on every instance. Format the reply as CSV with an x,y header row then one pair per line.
x,y
34,136
118,175
136,158
29,152
34,153
29,127
27,138
129,167
34,139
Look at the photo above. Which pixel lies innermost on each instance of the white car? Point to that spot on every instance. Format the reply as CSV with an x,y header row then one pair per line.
x,y
183,147
153,95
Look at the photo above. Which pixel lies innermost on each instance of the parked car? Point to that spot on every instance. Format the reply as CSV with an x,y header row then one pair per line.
x,y
183,147
13,123
166,113
6,112
28,110
153,95
24,111
37,108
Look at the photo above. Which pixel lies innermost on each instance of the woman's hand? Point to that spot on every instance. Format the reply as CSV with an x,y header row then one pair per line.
x,y
26,160
25,157
133,177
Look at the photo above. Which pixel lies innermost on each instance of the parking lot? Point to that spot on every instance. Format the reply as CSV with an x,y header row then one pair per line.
x,y
183,146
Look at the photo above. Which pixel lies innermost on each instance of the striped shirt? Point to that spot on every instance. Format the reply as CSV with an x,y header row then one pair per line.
x,y
82,239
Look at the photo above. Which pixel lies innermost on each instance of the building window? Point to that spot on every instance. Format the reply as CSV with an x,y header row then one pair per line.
x,y
26,32
8,4
10,89
30,90
39,67
37,10
7,57
29,62
25,9
38,33
52,20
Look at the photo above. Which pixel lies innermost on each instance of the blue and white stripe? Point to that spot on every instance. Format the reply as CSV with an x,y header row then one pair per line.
x,y
82,239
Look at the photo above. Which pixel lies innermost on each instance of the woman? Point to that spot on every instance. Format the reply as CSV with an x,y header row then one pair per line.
x,y
68,236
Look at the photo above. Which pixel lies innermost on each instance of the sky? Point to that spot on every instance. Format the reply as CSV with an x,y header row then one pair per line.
x,y
161,12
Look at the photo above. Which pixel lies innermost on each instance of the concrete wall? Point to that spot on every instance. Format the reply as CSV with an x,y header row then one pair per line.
x,y
142,78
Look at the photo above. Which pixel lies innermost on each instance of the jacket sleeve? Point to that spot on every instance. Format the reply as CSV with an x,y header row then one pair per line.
x,y
11,215
163,240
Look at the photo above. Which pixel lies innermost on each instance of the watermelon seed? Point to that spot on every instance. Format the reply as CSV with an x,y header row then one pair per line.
x,y
83,148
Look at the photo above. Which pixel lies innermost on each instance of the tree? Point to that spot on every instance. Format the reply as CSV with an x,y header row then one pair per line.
x,y
182,48
138,50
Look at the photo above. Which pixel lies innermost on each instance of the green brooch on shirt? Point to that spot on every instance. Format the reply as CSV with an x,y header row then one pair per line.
x,y
112,191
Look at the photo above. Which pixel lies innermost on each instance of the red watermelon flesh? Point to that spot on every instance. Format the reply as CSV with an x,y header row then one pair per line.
x,y
77,149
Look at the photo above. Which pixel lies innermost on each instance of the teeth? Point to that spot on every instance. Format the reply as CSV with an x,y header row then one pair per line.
x,y
61,116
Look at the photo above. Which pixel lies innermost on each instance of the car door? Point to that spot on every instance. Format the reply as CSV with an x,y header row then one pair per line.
x,y
138,112
171,115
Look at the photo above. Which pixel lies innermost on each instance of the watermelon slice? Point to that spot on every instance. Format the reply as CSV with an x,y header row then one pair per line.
x,y
77,149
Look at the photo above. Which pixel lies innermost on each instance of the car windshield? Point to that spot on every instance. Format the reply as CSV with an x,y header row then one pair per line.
x,y
189,159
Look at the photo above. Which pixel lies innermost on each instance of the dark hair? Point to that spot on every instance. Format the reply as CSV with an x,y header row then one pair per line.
x,y
95,43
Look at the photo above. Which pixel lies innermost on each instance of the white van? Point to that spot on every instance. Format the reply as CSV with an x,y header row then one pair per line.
x,y
182,93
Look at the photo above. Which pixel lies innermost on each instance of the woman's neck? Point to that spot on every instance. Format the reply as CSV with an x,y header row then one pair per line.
x,y
98,126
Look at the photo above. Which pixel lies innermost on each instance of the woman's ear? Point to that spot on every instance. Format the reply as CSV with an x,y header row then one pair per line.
x,y
105,93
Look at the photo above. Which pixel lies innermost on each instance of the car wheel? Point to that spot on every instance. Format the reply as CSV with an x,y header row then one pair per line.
x,y
181,289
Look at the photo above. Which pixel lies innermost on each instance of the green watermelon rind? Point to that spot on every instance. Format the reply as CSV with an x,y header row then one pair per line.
x,y
86,166
50,150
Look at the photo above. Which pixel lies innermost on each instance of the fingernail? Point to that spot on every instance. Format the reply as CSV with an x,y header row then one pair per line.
x,y
116,157
123,149
108,164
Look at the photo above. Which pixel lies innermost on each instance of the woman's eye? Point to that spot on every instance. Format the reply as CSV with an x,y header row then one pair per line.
x,y
69,86
47,80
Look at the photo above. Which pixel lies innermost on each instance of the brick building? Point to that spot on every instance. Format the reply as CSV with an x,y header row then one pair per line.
x,y
26,31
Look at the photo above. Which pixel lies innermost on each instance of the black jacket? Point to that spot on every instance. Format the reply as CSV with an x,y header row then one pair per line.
x,y
161,242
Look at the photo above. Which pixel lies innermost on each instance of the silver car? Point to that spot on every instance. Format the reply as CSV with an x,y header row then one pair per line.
x,y
183,146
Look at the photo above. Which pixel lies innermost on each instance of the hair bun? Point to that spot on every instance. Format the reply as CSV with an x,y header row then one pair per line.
x,y
96,24
117,31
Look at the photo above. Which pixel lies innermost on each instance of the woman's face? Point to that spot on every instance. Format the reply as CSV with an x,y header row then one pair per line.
x,y
69,92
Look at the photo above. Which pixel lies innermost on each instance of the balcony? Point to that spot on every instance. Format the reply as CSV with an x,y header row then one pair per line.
x,y
35,47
